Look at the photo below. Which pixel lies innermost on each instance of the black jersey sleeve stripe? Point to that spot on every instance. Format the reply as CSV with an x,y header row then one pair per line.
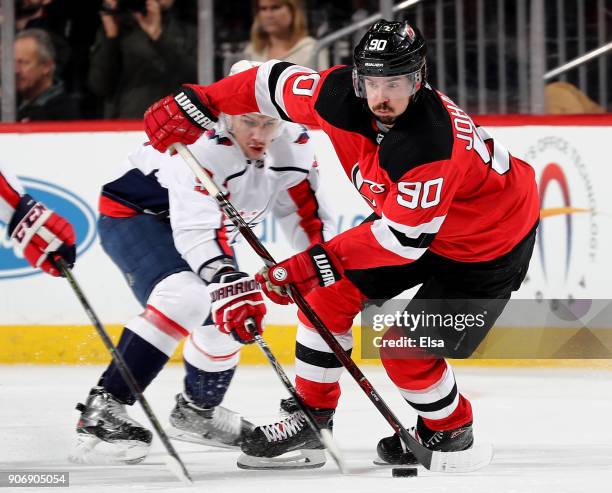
x,y
275,74
422,241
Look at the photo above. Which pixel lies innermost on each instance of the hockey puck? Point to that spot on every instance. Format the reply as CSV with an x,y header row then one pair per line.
x,y
404,472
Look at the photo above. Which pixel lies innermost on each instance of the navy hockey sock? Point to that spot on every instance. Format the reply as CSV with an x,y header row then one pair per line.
x,y
207,388
142,358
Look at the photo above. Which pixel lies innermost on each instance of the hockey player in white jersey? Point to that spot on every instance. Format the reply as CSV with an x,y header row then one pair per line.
x,y
35,231
174,247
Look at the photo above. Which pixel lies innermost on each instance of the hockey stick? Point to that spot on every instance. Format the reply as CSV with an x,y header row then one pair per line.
x,y
323,434
463,461
173,461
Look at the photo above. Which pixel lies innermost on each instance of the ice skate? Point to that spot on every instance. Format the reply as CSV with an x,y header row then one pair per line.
x,y
106,434
392,450
289,443
216,426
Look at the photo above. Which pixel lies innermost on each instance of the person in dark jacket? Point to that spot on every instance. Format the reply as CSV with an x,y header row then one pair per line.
x,y
40,96
139,55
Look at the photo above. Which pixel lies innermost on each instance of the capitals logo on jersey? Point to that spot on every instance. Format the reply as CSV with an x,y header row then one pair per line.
x,y
221,140
199,186
303,137
366,187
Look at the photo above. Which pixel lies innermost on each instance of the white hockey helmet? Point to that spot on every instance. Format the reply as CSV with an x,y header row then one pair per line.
x,y
242,65
236,68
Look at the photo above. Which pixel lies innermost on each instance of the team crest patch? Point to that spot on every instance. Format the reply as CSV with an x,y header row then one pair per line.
x,y
279,274
303,138
199,186
221,140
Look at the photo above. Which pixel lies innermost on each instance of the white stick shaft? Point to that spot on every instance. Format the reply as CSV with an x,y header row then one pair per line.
x,y
192,162
214,191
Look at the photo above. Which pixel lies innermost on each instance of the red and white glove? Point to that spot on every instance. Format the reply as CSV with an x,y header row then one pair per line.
x,y
307,270
235,298
181,117
38,232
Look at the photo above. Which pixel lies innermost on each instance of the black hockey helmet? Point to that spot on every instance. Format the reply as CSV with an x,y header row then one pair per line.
x,y
387,49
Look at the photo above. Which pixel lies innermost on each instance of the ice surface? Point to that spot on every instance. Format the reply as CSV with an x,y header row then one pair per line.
x,y
551,430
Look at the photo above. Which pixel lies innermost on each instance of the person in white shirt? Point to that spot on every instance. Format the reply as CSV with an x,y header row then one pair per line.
x,y
175,248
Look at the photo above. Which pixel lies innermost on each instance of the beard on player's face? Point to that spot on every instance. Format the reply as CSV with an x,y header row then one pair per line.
x,y
387,112
384,113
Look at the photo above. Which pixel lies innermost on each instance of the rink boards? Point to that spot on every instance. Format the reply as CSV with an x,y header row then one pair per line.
x,y
66,164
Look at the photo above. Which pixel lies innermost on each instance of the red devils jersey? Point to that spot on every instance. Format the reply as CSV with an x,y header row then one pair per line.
x,y
435,179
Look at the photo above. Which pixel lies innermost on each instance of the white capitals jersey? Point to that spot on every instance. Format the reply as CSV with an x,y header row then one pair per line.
x,y
284,183
10,194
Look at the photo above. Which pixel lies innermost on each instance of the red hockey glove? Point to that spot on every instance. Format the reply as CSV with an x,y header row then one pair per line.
x,y
38,232
182,117
314,267
235,298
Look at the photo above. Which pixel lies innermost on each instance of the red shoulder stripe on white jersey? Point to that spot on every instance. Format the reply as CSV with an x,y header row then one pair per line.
x,y
308,209
222,241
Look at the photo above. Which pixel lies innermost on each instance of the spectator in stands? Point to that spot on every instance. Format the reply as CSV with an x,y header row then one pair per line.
x,y
280,32
143,51
72,25
563,98
45,15
40,96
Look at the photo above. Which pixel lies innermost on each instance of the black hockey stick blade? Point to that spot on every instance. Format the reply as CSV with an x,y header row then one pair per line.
x,y
174,462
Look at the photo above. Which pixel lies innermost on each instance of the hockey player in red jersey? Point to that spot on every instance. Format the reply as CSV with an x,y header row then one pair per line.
x,y
35,231
453,213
